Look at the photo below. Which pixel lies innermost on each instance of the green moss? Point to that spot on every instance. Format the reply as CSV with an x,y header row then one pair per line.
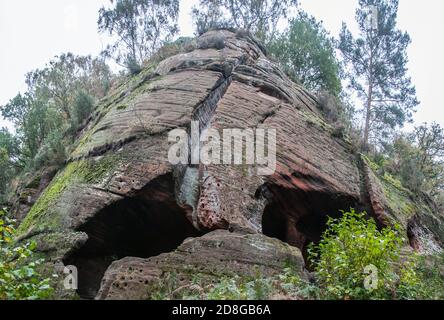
x,y
394,182
94,171
401,205
121,98
77,172
398,201
374,166
41,209
314,120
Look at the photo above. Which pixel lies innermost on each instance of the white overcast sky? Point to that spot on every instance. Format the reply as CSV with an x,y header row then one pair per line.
x,y
32,32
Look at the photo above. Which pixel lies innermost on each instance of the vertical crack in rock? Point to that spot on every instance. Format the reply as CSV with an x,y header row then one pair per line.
x,y
205,111
364,189
189,177
369,194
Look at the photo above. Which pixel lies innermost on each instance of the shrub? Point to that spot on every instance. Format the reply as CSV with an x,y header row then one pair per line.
x,y
19,278
83,106
133,66
287,285
306,52
430,270
52,152
239,289
355,260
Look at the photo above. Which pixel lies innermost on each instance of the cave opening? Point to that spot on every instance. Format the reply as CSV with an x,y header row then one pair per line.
x,y
300,217
145,225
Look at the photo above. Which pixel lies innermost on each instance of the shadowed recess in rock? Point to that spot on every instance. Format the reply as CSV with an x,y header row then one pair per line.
x,y
299,217
146,225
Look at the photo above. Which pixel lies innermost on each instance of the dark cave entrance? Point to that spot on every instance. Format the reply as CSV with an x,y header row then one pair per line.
x,y
299,218
146,225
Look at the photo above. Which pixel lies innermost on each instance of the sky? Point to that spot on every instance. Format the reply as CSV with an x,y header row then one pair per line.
x,y
33,32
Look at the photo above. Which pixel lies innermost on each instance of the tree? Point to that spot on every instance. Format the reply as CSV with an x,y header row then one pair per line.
x,y
377,68
83,106
16,110
51,105
34,118
429,141
9,159
66,75
259,17
141,27
306,52
403,161
418,159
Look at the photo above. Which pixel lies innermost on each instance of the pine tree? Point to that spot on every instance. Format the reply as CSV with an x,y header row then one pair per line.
x,y
376,65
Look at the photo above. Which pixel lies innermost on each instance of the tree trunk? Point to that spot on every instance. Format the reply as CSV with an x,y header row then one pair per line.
x,y
367,119
368,105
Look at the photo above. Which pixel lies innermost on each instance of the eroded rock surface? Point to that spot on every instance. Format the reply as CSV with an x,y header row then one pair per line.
x,y
213,256
119,196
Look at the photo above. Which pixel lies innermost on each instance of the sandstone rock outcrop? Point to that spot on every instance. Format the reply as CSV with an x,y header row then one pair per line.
x,y
119,197
210,257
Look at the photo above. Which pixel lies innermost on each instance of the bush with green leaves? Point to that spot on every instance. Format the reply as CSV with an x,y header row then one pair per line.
x,y
83,106
356,260
306,52
19,275
430,270
51,153
286,285
239,289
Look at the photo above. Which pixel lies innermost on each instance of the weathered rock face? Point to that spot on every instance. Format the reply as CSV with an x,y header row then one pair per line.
x,y
210,257
29,190
419,216
120,197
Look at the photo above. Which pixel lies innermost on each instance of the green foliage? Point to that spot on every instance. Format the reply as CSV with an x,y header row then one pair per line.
x,y
286,285
403,161
226,288
141,27
430,270
237,289
58,98
6,172
429,141
83,106
132,66
10,162
306,52
52,151
259,17
352,249
376,69
19,276
418,159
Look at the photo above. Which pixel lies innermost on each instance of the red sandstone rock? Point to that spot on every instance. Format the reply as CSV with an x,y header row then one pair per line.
x,y
119,196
